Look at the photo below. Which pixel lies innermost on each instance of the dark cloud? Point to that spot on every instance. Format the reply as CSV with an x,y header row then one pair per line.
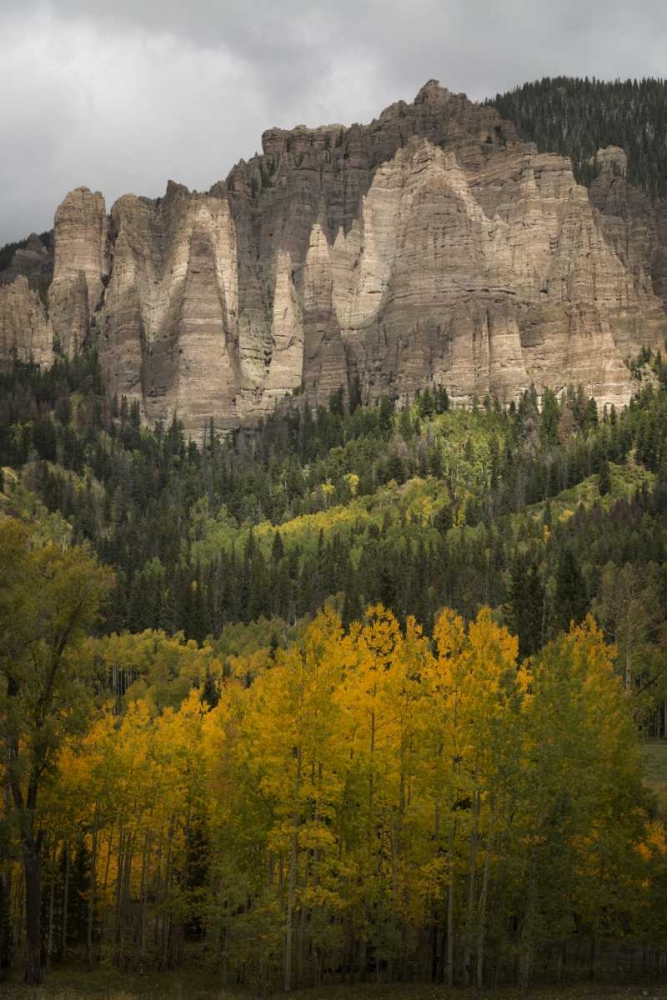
x,y
120,96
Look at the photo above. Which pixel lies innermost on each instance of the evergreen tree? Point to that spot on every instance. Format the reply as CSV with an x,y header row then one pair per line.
x,y
526,606
604,479
570,596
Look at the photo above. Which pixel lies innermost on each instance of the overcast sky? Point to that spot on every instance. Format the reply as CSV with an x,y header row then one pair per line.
x,y
121,95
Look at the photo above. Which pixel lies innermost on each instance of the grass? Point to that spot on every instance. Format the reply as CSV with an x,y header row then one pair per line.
x,y
108,983
193,985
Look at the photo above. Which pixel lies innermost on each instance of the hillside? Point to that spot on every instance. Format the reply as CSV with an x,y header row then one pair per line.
x,y
520,520
577,117
418,508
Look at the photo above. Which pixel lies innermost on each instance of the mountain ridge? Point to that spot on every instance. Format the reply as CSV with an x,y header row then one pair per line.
x,y
432,246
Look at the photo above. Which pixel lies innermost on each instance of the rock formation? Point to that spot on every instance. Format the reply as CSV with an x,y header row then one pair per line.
x,y
81,248
634,226
429,247
25,334
34,261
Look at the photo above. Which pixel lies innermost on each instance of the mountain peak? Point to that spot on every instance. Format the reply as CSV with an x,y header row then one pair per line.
x,y
432,94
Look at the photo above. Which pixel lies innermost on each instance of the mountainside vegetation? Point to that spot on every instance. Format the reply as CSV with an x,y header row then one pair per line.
x,y
418,509
356,696
576,117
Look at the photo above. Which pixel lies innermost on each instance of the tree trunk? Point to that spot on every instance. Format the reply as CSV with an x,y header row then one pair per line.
x,y
5,922
92,884
142,904
450,913
63,938
125,901
52,893
483,898
628,667
119,897
526,943
6,937
467,954
33,908
562,959
30,844
166,922
291,879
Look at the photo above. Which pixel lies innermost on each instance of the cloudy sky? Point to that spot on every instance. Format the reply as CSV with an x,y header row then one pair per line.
x,y
121,95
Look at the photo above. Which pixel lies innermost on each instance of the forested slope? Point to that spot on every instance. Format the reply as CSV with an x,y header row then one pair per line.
x,y
322,702
577,117
419,508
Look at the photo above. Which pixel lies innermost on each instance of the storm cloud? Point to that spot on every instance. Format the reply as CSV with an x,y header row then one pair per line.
x,y
121,95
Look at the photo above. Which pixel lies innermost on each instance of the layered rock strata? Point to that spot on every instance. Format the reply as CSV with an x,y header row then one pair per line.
x,y
34,261
81,267
25,333
430,247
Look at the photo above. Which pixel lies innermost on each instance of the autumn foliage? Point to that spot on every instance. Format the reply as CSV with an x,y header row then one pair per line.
x,y
374,803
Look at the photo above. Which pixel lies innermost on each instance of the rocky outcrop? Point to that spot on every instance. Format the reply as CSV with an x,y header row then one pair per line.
x,y
488,286
34,261
611,160
634,226
429,247
25,334
81,266
221,304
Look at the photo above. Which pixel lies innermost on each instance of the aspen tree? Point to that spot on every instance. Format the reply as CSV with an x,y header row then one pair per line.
x,y
49,597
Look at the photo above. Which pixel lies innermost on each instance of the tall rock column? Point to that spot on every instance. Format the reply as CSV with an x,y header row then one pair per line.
x,y
325,365
81,266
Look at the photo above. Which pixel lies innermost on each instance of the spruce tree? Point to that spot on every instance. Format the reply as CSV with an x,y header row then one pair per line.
x,y
526,606
604,479
570,597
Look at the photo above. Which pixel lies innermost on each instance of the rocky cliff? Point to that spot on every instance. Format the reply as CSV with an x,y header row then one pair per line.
x,y
25,333
431,246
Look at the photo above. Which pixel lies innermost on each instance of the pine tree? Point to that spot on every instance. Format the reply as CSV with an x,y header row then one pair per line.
x,y
570,597
604,479
526,606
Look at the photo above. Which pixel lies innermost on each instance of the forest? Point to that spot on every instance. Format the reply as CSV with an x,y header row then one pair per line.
x,y
361,695
576,117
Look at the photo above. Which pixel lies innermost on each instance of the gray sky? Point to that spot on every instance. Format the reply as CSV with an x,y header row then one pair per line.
x,y
121,95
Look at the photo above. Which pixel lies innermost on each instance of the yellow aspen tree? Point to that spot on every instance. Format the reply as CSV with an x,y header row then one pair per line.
x,y
49,597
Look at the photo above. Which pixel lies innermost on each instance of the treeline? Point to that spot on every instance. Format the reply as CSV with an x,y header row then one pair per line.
x,y
371,805
8,250
576,117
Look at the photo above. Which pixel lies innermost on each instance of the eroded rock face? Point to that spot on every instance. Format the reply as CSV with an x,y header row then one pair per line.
x,y
25,334
221,304
634,226
611,160
34,262
487,286
430,246
81,265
